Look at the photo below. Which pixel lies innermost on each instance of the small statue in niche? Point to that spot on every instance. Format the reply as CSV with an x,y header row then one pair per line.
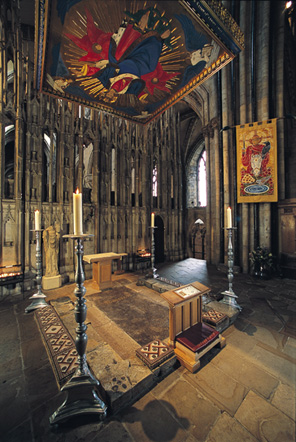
x,y
51,237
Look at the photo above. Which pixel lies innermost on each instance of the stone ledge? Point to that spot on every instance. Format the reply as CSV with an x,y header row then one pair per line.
x,y
51,282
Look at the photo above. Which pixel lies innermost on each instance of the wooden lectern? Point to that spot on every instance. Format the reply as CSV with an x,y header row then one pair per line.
x,y
188,335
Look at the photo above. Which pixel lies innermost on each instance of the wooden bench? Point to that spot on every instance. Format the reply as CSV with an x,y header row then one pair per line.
x,y
102,267
188,335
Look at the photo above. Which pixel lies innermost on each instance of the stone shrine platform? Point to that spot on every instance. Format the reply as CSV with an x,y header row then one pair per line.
x,y
245,391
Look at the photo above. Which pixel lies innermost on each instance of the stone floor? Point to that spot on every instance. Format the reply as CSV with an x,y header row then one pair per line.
x,y
243,392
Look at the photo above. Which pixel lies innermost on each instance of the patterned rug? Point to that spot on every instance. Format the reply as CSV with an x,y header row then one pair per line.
x,y
59,344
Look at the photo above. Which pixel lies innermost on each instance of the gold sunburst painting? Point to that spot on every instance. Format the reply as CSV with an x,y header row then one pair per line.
x,y
131,58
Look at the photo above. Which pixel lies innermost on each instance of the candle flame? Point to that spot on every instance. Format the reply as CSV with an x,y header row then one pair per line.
x,y
36,211
5,275
77,191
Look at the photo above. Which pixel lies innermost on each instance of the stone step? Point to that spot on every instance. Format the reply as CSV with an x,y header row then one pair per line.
x,y
288,271
160,285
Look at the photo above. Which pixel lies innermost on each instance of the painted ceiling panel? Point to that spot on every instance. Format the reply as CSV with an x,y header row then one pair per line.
x,y
133,59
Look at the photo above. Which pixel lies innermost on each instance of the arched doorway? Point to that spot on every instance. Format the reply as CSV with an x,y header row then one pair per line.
x,y
198,238
159,239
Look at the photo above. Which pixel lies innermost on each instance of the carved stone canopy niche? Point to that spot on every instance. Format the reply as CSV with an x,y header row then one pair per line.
x,y
133,59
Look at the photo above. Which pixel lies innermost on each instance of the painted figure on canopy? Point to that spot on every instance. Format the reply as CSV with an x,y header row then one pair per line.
x,y
127,60
199,46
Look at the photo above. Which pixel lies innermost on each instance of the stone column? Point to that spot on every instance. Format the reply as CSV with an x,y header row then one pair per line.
x,y
226,148
19,149
243,118
215,218
2,136
263,107
279,104
95,193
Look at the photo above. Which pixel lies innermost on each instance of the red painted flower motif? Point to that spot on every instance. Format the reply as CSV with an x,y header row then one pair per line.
x,y
95,42
158,79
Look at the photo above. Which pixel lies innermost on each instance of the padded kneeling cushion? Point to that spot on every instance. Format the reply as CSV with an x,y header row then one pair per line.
x,y
197,337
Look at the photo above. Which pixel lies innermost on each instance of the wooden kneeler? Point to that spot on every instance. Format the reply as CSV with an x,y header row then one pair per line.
x,y
188,335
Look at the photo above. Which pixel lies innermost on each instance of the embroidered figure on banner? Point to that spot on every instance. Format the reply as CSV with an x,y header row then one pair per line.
x,y
256,162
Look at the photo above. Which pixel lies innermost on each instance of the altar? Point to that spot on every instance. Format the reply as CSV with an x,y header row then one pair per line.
x,y
102,267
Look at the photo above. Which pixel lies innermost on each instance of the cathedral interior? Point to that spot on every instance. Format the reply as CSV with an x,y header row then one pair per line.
x,y
154,195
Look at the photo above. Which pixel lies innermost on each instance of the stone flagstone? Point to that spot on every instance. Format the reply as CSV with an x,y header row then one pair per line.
x,y
187,401
275,362
284,398
290,347
244,371
221,389
265,421
227,429
154,420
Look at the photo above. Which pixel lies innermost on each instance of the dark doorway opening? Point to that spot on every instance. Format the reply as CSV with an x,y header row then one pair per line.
x,y
198,238
159,239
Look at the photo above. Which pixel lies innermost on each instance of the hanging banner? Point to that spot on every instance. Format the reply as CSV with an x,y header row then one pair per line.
x,y
256,145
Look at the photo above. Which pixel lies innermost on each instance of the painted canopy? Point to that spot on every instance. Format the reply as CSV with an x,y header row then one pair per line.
x,y
131,58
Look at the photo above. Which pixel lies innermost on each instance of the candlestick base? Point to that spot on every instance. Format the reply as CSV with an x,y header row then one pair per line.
x,y
82,398
205,299
229,298
152,273
38,302
39,297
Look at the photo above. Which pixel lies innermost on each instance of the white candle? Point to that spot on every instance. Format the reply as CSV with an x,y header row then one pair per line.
x,y
37,220
152,219
77,212
229,218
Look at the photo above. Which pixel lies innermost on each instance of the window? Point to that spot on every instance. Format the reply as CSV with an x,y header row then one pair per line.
x,y
87,113
196,178
154,183
133,178
87,171
113,175
202,179
140,179
76,157
54,167
9,162
10,71
49,167
46,160
172,191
